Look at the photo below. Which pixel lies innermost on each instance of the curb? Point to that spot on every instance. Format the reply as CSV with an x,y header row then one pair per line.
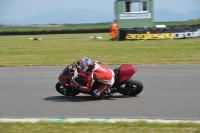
x,y
74,120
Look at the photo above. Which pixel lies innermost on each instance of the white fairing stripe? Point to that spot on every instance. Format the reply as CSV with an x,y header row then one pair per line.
x,y
84,87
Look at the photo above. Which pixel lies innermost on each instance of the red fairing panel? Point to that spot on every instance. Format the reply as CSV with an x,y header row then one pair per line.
x,y
63,79
126,72
83,76
66,75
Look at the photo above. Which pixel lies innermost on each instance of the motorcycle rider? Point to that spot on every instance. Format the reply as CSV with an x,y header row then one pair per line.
x,y
96,72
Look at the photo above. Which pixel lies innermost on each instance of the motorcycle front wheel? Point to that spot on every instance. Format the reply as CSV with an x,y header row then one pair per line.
x,y
65,91
131,87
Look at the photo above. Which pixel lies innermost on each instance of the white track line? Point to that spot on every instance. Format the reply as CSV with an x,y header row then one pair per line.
x,y
74,120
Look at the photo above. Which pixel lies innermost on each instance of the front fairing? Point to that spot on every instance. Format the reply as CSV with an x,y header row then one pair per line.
x,y
67,74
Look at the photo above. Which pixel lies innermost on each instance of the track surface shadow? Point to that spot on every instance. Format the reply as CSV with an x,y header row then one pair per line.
x,y
80,98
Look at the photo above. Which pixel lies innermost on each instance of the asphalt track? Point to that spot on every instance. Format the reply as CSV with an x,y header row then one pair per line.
x,y
170,92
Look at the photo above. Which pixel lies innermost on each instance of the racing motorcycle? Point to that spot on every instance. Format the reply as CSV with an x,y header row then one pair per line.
x,y
124,84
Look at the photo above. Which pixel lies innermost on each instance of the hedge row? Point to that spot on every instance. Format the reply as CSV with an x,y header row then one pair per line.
x,y
105,30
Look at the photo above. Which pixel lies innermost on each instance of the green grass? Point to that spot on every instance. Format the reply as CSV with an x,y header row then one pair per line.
x,y
97,127
56,50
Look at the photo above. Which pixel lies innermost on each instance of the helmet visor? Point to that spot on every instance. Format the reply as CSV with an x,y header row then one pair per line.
x,y
83,65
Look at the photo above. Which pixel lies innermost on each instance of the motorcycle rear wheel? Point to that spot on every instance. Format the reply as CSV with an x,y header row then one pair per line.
x,y
68,92
132,87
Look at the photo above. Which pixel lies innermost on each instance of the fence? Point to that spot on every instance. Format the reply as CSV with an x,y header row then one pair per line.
x,y
173,32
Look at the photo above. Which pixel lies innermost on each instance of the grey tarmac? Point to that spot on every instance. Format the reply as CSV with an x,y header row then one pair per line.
x,y
170,92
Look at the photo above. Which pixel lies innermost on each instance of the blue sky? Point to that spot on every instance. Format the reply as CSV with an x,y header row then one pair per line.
x,y
12,9
179,6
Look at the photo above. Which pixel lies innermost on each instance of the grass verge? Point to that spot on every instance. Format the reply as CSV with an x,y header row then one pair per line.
x,y
97,127
58,50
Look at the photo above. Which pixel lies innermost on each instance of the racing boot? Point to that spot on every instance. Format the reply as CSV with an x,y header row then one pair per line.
x,y
96,94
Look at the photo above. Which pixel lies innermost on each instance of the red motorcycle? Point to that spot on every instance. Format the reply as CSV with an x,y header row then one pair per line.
x,y
124,83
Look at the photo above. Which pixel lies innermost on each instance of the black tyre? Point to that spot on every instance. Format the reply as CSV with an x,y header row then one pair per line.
x,y
66,92
132,87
